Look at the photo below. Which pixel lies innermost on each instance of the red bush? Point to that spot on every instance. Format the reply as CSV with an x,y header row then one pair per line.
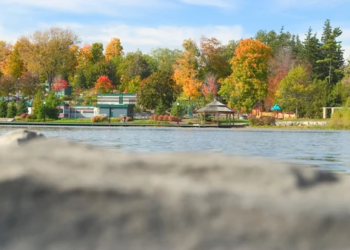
x,y
23,116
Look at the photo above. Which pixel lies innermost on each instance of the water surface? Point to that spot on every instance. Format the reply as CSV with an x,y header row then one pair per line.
x,y
326,150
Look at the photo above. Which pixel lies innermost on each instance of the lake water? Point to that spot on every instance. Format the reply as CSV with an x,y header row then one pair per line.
x,y
326,150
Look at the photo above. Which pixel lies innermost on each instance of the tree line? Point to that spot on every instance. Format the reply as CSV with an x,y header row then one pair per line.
x,y
272,67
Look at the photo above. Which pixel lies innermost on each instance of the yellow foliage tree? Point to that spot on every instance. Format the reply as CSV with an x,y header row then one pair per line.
x,y
186,71
114,49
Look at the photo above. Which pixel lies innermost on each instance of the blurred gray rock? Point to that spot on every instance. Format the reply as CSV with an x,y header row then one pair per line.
x,y
19,137
62,196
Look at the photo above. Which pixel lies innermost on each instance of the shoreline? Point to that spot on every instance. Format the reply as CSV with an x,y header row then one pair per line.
x,y
54,124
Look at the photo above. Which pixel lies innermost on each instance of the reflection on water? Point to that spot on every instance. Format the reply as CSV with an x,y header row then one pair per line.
x,y
327,150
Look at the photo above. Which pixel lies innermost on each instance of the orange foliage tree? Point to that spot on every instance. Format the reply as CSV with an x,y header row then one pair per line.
x,y
103,85
248,82
114,49
186,72
84,56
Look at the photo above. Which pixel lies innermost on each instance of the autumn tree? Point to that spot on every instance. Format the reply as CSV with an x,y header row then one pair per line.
x,y
248,82
186,70
294,90
103,85
29,84
114,49
8,84
212,58
13,64
48,52
210,87
157,90
59,84
84,56
5,51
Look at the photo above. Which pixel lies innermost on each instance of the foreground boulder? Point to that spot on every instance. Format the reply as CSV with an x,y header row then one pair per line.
x,y
19,137
60,196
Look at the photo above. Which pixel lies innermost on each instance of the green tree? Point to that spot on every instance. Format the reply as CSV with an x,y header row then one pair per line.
x,y
317,98
3,107
22,107
11,109
133,65
163,60
332,55
51,106
156,90
312,53
38,105
294,90
97,52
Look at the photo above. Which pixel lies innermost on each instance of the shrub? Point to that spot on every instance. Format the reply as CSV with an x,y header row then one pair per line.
x,y
99,118
264,121
116,119
340,119
128,119
30,117
23,116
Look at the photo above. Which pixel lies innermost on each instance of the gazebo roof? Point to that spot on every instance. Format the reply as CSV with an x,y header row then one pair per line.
x,y
215,107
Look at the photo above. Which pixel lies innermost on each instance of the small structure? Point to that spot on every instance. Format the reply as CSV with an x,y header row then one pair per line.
x,y
116,105
332,111
276,108
75,112
217,108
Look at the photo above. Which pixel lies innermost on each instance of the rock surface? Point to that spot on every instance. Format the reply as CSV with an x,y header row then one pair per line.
x,y
19,137
62,196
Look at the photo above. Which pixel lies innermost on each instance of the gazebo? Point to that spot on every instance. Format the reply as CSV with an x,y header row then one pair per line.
x,y
216,108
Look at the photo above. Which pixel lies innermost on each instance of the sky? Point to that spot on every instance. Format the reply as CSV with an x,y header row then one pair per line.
x,y
148,24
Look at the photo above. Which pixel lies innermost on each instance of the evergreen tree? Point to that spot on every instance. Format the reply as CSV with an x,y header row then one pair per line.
x,y
22,107
312,53
38,105
332,55
51,106
11,110
3,107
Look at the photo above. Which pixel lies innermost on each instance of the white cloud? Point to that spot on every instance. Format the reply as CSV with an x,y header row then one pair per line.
x,y
146,38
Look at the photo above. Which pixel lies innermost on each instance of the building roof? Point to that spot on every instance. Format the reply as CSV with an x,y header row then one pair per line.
x,y
215,107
